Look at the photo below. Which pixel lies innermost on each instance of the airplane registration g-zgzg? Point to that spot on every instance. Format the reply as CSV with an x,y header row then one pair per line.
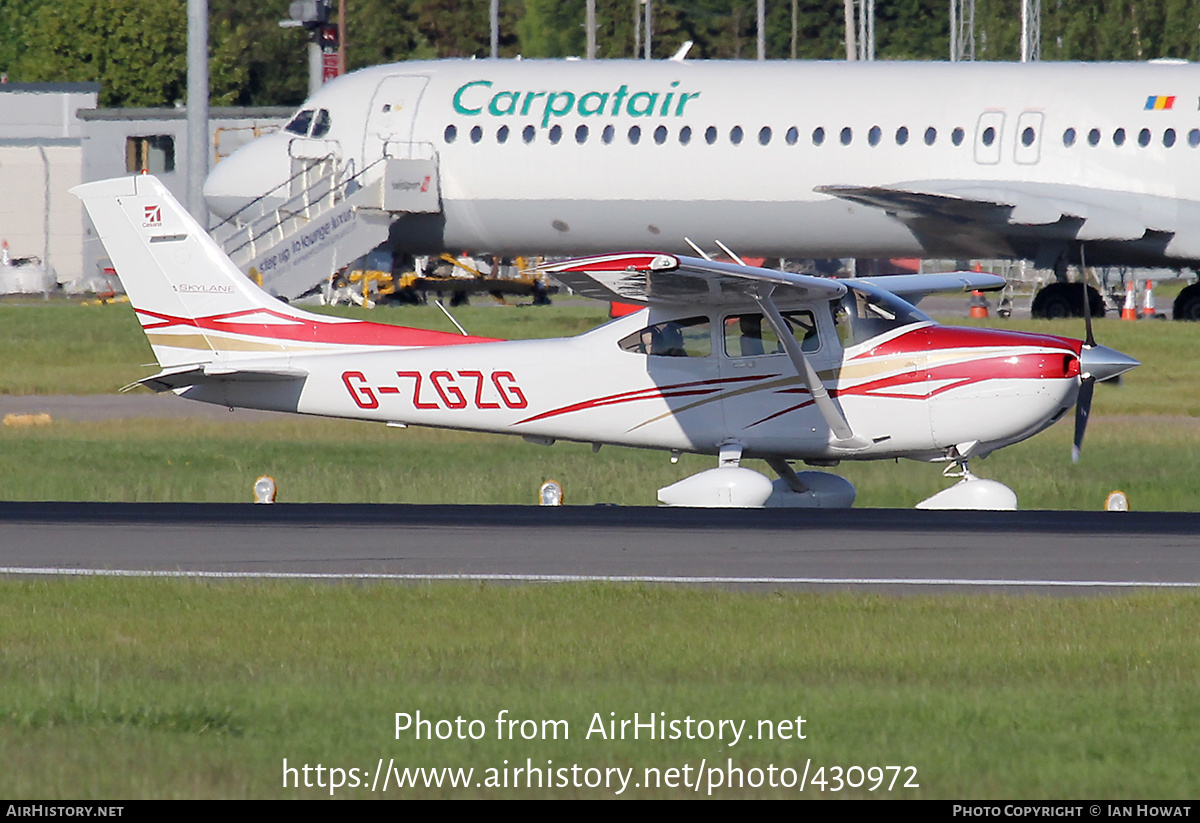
x,y
726,359
778,159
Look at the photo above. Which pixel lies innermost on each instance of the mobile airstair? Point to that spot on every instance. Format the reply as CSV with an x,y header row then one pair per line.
x,y
327,214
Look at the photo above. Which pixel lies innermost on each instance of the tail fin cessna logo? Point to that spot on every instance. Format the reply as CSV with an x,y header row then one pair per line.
x,y
153,216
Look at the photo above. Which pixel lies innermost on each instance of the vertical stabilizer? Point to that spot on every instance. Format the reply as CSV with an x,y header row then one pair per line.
x,y
179,281
195,307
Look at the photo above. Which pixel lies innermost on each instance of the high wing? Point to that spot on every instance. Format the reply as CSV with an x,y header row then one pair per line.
x,y
1029,210
667,279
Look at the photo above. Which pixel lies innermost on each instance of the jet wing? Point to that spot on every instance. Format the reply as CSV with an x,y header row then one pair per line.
x,y
1079,213
667,279
185,376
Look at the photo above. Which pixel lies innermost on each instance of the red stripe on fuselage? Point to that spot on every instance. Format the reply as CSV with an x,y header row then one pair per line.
x,y
929,338
305,330
701,387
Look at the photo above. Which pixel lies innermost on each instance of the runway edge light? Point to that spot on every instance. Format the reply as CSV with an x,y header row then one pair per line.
x,y
550,494
264,489
1117,501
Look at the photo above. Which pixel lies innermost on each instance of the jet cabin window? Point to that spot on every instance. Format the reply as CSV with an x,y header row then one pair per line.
x,y
689,337
864,313
752,335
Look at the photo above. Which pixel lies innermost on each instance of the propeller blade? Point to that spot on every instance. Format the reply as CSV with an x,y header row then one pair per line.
x,y
1083,408
1090,341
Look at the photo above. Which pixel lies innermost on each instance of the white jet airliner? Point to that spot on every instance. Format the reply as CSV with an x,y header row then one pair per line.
x,y
787,159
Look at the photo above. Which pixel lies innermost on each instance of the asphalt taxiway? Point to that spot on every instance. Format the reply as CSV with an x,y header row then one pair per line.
x,y
878,549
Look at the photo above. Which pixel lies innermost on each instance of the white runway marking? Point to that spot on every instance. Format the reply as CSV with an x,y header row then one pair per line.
x,y
600,578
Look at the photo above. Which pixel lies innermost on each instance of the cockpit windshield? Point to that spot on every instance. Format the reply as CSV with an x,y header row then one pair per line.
x,y
867,311
322,123
300,123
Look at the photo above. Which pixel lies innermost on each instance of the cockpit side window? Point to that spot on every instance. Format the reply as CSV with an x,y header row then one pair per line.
x,y
689,337
864,312
300,123
752,335
322,123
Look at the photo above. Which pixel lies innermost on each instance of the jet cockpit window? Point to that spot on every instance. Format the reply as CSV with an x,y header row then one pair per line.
x,y
322,123
689,337
300,123
865,312
752,335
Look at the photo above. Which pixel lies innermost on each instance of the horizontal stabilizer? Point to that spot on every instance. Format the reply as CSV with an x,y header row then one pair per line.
x,y
171,379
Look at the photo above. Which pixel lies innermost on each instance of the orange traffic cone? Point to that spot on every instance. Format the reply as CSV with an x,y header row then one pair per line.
x,y
1129,310
979,306
1148,302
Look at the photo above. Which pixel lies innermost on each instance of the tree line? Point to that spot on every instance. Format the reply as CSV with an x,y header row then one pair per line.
x,y
137,49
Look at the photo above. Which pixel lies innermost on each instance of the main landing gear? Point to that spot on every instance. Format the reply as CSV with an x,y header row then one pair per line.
x,y
732,485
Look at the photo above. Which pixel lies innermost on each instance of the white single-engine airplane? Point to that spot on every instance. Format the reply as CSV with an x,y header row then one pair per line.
x,y
727,359
779,158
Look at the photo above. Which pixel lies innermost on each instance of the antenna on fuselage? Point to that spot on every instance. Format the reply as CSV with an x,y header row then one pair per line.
x,y
697,249
731,254
446,312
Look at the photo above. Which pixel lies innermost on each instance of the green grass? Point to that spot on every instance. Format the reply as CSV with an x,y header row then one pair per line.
x,y
1151,459
177,689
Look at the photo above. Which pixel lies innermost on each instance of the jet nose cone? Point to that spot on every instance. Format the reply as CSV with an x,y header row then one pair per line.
x,y
1104,363
253,171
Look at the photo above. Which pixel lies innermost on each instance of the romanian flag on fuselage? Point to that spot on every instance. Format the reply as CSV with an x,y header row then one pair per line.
x,y
1155,102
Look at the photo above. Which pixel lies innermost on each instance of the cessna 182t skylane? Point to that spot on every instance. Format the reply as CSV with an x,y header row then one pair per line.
x,y
726,359
777,158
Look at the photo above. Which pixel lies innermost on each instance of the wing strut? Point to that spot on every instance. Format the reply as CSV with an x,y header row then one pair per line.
x,y
846,438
